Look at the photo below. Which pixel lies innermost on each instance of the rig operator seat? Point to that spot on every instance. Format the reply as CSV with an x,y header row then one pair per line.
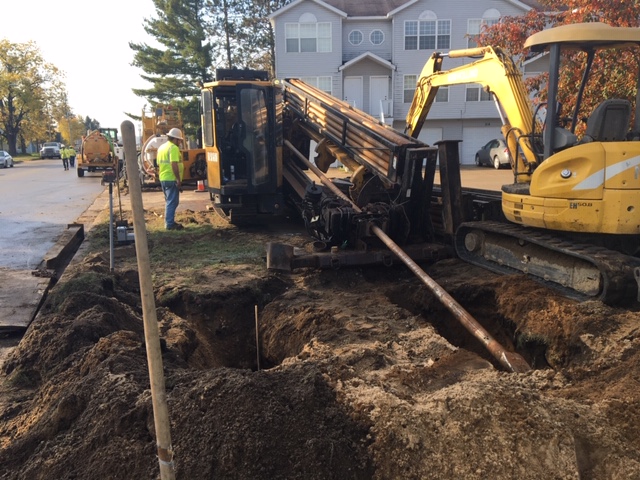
x,y
609,121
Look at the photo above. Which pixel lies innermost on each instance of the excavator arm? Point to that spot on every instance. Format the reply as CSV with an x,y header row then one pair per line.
x,y
498,74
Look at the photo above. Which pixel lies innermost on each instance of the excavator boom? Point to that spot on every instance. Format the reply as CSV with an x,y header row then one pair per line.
x,y
498,74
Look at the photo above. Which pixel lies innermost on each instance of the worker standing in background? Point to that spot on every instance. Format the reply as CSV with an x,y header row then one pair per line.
x,y
65,157
170,172
72,155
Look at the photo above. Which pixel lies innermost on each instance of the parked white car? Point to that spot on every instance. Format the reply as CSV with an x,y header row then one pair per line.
x,y
6,160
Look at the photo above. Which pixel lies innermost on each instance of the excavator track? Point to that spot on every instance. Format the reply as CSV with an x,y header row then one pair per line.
x,y
579,271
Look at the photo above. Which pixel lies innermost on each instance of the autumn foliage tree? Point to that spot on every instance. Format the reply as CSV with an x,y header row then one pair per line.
x,y
612,75
29,87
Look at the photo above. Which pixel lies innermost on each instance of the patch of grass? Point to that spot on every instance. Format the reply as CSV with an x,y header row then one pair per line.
x,y
25,157
187,252
98,237
89,282
202,245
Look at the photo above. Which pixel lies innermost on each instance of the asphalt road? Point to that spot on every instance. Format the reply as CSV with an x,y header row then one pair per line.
x,y
38,200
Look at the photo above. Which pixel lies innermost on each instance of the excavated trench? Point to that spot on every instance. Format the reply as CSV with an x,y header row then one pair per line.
x,y
224,324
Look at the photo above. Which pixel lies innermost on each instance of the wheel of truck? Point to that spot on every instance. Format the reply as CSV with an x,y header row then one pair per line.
x,y
80,172
477,160
496,162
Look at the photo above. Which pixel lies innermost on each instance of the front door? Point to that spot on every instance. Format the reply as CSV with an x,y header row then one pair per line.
x,y
353,92
379,97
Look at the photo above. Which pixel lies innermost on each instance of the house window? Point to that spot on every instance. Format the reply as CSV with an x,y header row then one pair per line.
x,y
355,37
474,25
475,93
376,37
321,83
427,33
442,95
409,87
308,35
473,30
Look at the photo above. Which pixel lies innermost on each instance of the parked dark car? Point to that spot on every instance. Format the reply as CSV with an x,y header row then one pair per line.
x,y
6,160
494,154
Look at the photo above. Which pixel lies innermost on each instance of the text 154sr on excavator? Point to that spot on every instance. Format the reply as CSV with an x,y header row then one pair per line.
x,y
586,191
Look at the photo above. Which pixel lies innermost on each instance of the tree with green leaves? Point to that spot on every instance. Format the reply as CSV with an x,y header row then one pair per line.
x,y
181,60
91,124
612,76
245,37
30,90
196,37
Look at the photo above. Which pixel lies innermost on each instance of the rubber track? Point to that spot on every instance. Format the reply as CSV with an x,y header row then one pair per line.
x,y
618,282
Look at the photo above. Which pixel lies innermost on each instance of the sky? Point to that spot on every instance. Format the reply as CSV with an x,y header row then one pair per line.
x,y
91,46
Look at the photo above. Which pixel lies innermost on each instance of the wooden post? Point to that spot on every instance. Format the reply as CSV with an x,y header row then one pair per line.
x,y
151,332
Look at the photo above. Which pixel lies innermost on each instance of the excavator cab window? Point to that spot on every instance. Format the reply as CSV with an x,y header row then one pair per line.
x,y
207,118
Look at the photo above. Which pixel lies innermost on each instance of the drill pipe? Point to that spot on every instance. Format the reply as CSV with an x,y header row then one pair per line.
x,y
339,107
374,152
510,360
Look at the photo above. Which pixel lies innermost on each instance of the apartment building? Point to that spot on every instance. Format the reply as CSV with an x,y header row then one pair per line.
x,y
370,53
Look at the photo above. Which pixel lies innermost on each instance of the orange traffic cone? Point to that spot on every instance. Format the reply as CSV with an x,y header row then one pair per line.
x,y
200,186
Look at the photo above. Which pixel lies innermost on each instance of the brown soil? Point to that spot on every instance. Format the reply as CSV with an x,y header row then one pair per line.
x,y
363,373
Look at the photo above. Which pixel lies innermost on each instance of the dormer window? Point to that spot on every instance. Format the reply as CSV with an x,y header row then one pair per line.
x,y
308,35
427,33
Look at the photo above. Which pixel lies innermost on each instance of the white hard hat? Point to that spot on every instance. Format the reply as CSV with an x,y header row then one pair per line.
x,y
175,133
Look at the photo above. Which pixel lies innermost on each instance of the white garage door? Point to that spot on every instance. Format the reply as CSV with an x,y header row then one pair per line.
x,y
430,135
472,139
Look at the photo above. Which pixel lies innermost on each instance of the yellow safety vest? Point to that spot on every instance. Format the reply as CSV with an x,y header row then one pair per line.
x,y
167,154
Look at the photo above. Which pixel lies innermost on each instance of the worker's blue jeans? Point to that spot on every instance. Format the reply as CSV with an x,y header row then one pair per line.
x,y
172,198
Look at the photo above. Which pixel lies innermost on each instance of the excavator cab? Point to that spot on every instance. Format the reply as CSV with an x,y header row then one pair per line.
x,y
242,138
588,185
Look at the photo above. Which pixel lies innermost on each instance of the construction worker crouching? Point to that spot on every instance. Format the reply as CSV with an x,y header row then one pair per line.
x,y
170,173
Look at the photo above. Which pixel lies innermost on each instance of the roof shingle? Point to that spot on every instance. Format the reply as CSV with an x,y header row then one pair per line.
x,y
380,8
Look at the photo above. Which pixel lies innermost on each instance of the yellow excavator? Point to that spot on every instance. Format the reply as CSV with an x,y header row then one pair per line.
x,y
585,191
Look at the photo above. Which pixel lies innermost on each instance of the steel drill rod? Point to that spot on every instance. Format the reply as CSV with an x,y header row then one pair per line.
x,y
510,360
358,116
377,154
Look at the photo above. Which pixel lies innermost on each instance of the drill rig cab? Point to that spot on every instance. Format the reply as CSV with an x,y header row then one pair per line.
x,y
242,137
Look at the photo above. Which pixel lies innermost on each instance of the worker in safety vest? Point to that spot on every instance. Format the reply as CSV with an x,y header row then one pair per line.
x,y
65,157
170,172
71,154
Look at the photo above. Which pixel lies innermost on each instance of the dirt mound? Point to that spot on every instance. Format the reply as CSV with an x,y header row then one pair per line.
x,y
359,373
